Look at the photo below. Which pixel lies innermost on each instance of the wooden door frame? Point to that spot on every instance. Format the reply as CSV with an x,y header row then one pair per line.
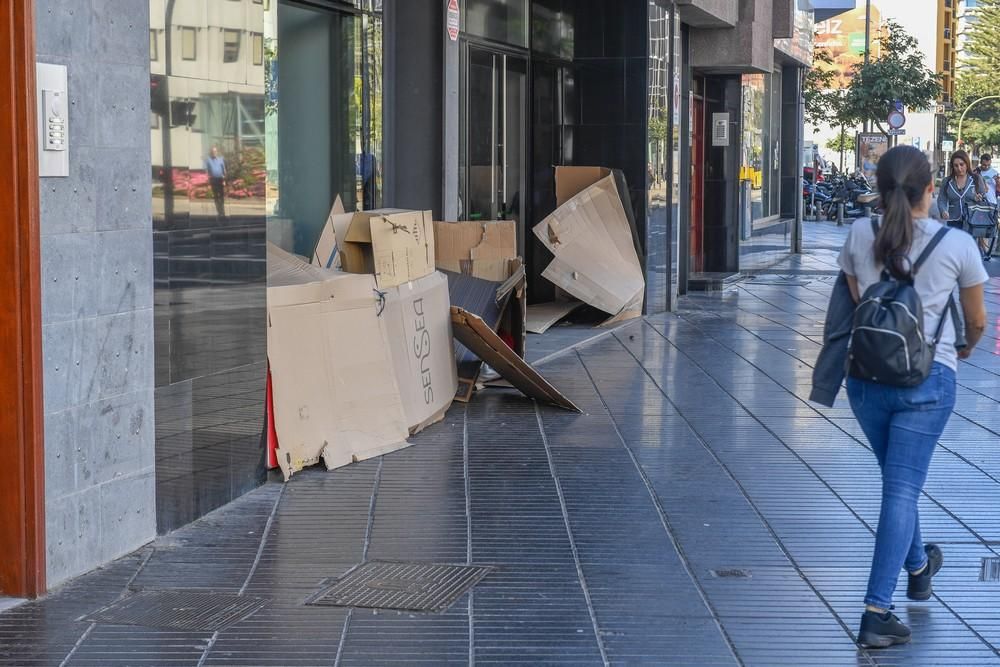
x,y
22,470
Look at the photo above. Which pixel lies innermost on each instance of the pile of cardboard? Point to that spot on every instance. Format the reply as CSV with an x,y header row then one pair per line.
x,y
592,235
359,358
361,347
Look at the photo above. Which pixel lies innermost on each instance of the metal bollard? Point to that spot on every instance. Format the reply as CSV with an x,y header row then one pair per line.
x,y
840,214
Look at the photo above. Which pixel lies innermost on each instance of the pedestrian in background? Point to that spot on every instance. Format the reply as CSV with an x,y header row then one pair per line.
x,y
961,189
903,424
215,165
989,176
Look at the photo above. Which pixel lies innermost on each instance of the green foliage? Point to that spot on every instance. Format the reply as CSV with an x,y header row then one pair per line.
x,y
844,141
824,104
978,77
897,73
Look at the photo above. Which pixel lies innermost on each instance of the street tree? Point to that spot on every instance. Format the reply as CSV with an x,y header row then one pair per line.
x,y
898,72
977,78
844,141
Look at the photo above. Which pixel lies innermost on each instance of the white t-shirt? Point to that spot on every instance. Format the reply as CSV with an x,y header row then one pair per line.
x,y
955,262
989,177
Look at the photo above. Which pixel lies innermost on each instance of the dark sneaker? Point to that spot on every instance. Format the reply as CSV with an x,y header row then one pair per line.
x,y
882,631
918,586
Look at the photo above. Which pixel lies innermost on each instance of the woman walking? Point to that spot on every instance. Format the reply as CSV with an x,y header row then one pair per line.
x,y
903,423
961,189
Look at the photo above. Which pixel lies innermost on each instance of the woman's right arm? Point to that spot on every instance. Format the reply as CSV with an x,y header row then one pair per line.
x,y
974,310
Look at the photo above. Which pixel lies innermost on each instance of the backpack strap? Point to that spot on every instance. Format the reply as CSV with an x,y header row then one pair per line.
x,y
951,309
929,249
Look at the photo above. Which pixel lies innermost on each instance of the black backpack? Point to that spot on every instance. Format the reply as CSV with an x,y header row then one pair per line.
x,y
887,343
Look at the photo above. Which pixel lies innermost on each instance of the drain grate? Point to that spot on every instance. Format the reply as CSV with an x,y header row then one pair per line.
x,y
990,570
426,587
731,573
185,610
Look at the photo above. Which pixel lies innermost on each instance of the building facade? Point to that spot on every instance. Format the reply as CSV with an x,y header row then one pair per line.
x,y
201,129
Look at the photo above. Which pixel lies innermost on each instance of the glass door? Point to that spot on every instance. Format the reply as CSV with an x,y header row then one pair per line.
x,y
494,136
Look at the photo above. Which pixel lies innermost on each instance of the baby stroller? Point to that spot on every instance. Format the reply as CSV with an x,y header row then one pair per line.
x,y
981,222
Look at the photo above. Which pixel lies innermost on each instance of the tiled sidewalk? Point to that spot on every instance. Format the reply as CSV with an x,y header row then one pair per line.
x,y
700,512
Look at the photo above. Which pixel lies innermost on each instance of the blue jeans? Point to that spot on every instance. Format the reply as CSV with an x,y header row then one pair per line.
x,y
903,426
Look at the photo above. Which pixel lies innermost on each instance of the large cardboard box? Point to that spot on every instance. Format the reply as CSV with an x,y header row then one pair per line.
x,y
334,387
417,318
396,246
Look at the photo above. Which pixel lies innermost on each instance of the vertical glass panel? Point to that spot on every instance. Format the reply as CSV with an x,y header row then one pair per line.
x,y
552,28
500,20
752,154
324,111
660,137
207,140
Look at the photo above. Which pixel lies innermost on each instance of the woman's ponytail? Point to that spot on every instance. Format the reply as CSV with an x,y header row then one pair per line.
x,y
903,176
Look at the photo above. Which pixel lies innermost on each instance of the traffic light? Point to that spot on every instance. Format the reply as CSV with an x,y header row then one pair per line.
x,y
158,94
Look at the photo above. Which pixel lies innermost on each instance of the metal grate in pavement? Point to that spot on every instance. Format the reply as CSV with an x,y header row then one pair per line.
x,y
990,570
184,610
426,587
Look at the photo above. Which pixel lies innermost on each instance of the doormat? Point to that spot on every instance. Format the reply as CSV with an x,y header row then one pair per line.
x,y
422,587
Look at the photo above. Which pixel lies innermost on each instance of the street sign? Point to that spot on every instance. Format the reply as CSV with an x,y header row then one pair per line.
x,y
896,131
454,20
947,146
896,119
897,105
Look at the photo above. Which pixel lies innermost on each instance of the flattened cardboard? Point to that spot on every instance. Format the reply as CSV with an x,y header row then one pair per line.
x,y
478,249
543,316
335,394
327,254
396,246
417,318
595,258
481,339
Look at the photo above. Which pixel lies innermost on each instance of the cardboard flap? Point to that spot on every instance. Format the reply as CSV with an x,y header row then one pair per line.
x,y
542,316
326,254
472,332
402,247
479,249
571,181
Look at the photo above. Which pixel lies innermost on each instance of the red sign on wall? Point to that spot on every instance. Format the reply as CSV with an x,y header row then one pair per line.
x,y
453,20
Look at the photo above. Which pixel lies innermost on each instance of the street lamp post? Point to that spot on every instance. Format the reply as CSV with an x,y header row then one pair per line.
x,y
972,104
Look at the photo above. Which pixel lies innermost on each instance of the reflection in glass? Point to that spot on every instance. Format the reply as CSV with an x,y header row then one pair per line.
x,y
207,138
662,134
326,67
503,21
752,151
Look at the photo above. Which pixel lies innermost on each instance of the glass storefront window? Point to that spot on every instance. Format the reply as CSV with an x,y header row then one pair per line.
x,y
498,20
752,167
324,117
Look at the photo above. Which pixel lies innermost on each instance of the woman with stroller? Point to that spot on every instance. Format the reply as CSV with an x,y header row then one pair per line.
x,y
962,188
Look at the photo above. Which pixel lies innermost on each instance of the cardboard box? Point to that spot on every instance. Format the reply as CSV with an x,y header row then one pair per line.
x,y
397,246
334,387
417,318
595,257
